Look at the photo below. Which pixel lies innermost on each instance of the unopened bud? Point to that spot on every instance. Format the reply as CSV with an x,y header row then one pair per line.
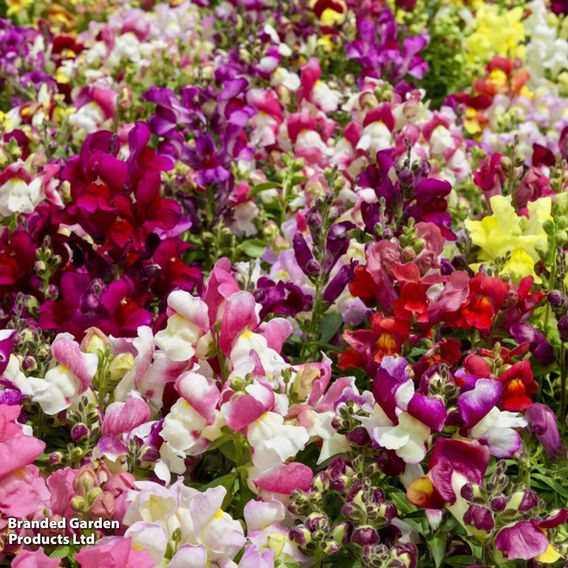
x,y
120,365
79,431
78,504
94,340
364,535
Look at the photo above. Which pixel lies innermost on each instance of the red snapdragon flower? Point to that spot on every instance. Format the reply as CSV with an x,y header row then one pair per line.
x,y
391,334
519,385
412,302
486,297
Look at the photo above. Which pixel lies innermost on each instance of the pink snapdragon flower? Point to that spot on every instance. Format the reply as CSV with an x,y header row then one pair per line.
x,y
35,559
71,376
114,552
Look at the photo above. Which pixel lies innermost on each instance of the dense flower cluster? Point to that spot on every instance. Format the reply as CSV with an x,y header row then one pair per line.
x,y
283,284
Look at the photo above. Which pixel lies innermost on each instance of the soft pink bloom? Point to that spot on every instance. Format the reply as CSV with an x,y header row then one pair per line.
x,y
220,286
276,332
285,478
16,449
114,552
23,492
67,352
201,393
239,315
189,556
121,417
34,559
60,484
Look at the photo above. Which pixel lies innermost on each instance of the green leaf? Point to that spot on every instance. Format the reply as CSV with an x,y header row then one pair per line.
x,y
551,484
62,552
461,560
253,248
402,504
227,481
437,545
329,326
346,562
263,187
297,180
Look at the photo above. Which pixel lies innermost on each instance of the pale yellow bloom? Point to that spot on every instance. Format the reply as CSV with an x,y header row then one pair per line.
x,y
15,6
496,33
505,233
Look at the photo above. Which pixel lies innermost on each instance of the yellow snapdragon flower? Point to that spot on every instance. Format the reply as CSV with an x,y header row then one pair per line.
x,y
16,6
504,232
496,33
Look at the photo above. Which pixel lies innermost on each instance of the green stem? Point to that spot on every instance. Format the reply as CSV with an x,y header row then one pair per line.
x,y
312,334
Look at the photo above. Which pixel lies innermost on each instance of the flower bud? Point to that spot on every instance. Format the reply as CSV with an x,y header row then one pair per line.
x,y
339,532
529,501
317,522
300,535
470,492
29,363
329,547
85,480
78,504
480,518
556,298
353,512
408,253
364,535
313,218
120,365
79,431
302,385
312,267
94,340
523,500
499,502
358,436
93,494
321,481
55,459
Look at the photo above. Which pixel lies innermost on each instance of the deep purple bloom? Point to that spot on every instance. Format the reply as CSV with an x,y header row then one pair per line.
x,y
431,205
478,402
378,177
85,303
337,284
304,257
542,423
337,243
559,7
539,346
392,373
563,328
281,298
207,161
382,55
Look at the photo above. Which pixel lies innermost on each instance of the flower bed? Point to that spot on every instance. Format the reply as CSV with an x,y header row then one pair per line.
x,y
283,284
